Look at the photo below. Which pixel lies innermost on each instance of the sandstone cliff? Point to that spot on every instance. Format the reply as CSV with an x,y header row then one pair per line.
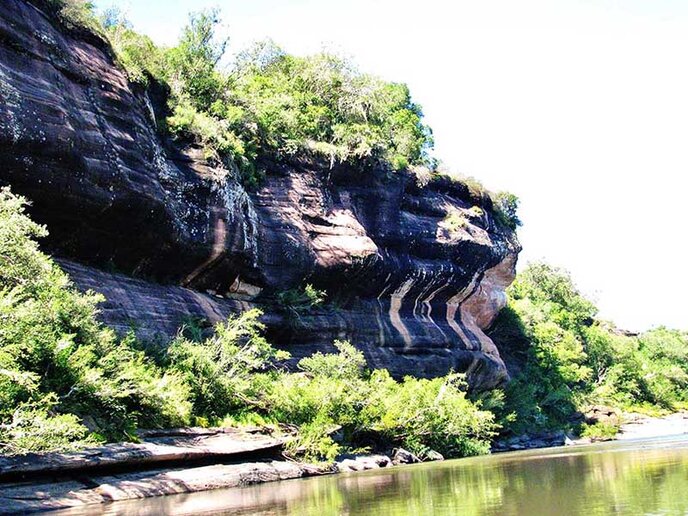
x,y
409,288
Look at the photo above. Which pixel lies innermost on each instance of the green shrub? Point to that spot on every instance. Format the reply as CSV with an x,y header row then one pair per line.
x,y
347,363
337,392
57,362
599,431
322,104
440,173
220,369
136,53
664,357
432,414
191,65
455,220
504,204
300,300
506,209
214,135
77,14
567,359
476,211
35,428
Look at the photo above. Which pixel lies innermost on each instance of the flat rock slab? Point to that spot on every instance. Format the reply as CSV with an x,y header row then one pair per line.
x,y
31,497
640,427
158,448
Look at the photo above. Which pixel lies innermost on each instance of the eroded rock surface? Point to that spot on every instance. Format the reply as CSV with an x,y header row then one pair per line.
x,y
185,446
414,274
56,494
81,142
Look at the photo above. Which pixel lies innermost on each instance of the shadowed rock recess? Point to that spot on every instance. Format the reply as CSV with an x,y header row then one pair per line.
x,y
412,291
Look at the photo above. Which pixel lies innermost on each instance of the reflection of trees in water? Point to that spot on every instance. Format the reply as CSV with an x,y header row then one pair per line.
x,y
592,483
564,482
645,482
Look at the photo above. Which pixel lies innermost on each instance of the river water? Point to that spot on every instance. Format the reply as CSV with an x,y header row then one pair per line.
x,y
631,477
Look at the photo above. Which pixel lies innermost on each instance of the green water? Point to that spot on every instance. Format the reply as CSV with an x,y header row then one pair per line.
x,y
641,477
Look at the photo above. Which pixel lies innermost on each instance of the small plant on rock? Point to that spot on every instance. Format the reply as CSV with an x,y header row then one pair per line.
x,y
301,300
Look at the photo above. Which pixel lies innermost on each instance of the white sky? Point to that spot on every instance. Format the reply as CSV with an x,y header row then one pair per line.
x,y
580,107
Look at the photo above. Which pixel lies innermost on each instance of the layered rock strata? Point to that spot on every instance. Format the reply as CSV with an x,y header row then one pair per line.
x,y
414,270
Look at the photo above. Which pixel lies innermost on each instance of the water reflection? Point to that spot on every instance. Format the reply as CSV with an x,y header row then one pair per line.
x,y
618,478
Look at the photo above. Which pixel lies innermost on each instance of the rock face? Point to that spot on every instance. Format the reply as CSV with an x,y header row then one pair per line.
x,y
185,446
80,142
414,273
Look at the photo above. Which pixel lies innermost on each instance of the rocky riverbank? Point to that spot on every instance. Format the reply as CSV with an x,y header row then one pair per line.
x,y
631,426
639,426
163,463
194,460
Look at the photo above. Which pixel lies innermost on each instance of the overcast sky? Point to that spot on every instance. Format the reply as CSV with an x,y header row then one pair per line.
x,y
580,107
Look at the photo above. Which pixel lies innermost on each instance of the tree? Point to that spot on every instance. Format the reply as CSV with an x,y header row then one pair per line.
x,y
192,64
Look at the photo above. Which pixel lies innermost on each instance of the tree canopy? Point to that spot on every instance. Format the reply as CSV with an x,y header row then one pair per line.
x,y
274,104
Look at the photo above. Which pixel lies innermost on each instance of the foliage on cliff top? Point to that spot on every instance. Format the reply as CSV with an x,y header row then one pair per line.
x,y
272,104
504,204
142,60
570,360
275,104
77,14
323,103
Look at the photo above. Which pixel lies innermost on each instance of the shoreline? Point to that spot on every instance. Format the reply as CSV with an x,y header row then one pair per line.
x,y
640,426
197,460
632,426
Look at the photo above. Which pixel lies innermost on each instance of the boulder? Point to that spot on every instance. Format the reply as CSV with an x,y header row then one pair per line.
x,y
432,455
402,456
362,463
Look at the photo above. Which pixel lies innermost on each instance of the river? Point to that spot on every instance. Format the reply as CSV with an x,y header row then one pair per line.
x,y
631,477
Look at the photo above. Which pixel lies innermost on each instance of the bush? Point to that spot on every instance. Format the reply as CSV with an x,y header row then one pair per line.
x,y
33,428
77,14
432,414
337,392
455,220
599,431
567,359
214,135
347,363
504,204
323,104
220,369
191,65
302,299
506,208
333,393
136,53
57,363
